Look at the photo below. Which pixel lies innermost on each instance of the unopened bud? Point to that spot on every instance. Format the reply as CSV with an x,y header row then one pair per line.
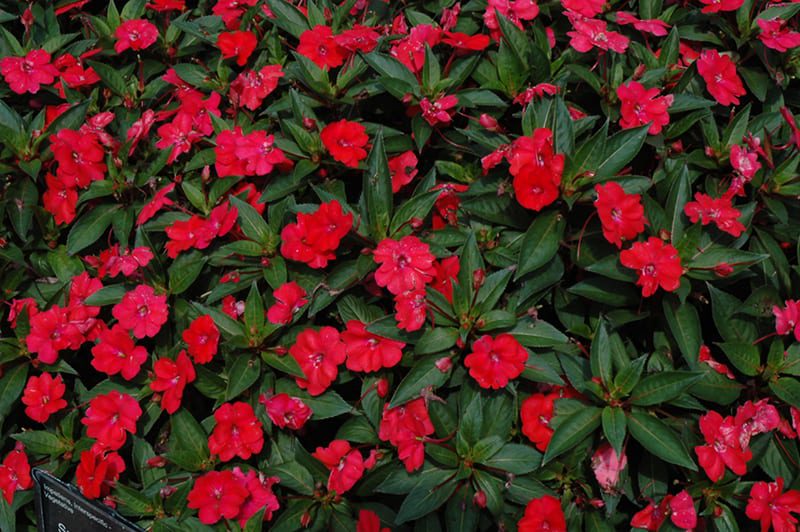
x,y
723,269
444,364
156,461
478,278
309,124
479,499
489,122
166,491
382,387
305,519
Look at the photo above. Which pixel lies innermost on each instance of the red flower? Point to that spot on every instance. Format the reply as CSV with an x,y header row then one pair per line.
x,y
495,361
405,264
717,210
776,35
466,42
250,88
641,106
202,338
320,46
346,465
770,505
98,472
171,378
238,44
368,521
744,162
112,262
108,418
438,112
369,352
316,236
403,169
719,73
43,397
167,5
621,214
410,50
544,513
787,319
682,511
286,411
722,447
405,427
755,418
51,332
259,154
260,495
159,201
345,141
411,309
705,356
141,311
237,432
514,10
536,413
59,199
587,8
15,473
536,169
679,508
657,263
136,34
653,26
590,33
715,6
27,74
290,297
217,494
318,353
446,207
117,353
358,39
80,158
446,274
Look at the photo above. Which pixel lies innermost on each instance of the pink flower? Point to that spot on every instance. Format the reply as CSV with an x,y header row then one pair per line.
x,y
776,35
136,34
592,33
607,467
787,319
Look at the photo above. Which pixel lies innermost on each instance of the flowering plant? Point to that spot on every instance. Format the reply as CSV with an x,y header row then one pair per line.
x,y
369,265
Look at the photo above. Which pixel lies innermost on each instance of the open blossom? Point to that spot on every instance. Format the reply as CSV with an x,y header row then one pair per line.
x,y
237,432
446,274
587,8
367,351
439,111
29,73
289,299
98,472
43,396
369,521
238,44
775,34
654,26
405,427
319,354
316,236
715,6
142,311
465,42
744,161
217,495
346,465
657,264
621,214
405,264
260,495
411,309
250,88
719,73
319,45
345,141
15,473
536,413
787,319
136,34
171,378
80,157
593,33
109,417
773,507
495,361
679,508
514,10
202,339
403,169
359,38
410,50
607,467
60,199
52,332
717,210
158,202
722,448
755,418
117,353
536,168
642,106
543,513
286,411
114,261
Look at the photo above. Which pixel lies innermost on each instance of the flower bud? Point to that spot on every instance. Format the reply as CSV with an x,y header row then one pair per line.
x,y
156,462
489,122
305,519
723,269
166,491
444,364
382,387
309,124
479,499
478,278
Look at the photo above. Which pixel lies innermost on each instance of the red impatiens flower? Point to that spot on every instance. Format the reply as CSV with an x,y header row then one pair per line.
x,y
642,106
653,26
113,261
15,473
202,339
621,214
80,158
346,465
98,472
318,353
260,495
159,201
109,417
744,161
755,418
238,44
217,494
495,361
787,319
445,210
369,352
27,74
345,141
43,396
657,263
238,432
286,411
59,199
680,509
405,427
440,111
171,378
719,73
772,507
368,521
514,10
290,298
715,6
319,45
536,168
543,513
775,34
359,38
316,236
136,34
465,42
141,311
260,155
403,169
722,448
705,356
587,8
117,353
250,88
410,50
593,33
411,309
51,332
405,264
446,273
717,210
536,413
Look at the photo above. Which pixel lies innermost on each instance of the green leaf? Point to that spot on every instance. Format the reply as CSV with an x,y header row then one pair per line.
x,y
110,77
572,430
293,476
541,242
788,390
614,427
41,442
600,356
424,374
244,372
436,340
537,333
423,500
21,209
662,387
185,270
187,446
11,386
659,439
620,149
684,324
745,357
418,206
90,227
515,458
377,190
253,224
285,364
